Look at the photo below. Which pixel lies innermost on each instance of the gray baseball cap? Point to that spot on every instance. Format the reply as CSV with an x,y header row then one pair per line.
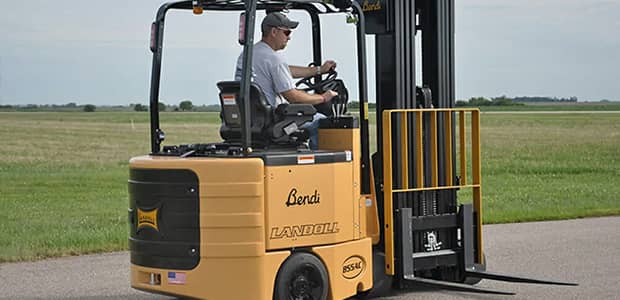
x,y
277,19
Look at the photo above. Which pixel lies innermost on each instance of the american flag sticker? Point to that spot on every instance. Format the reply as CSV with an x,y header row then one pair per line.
x,y
176,278
305,159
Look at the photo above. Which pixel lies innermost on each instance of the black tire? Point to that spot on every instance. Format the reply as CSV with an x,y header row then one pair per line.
x,y
301,277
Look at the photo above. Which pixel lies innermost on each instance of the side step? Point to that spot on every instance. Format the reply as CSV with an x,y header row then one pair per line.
x,y
454,286
508,278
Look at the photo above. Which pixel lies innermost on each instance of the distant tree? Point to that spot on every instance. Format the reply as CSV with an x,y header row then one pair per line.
x,y
204,107
140,107
186,105
540,99
479,101
71,105
161,106
354,104
461,103
501,101
89,108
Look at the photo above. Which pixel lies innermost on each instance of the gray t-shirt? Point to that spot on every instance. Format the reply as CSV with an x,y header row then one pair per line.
x,y
269,71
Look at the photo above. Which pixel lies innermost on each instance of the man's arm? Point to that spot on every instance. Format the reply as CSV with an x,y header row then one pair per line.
x,y
299,72
298,96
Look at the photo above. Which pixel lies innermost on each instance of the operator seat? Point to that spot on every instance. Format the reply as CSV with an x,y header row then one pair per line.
x,y
268,126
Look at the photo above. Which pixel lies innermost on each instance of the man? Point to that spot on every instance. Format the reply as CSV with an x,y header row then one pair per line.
x,y
275,76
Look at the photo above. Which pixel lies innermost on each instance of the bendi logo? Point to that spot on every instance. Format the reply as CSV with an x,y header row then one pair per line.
x,y
367,6
353,267
295,199
147,219
303,230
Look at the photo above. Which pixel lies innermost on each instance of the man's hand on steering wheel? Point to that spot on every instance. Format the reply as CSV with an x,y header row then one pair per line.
x,y
328,95
316,82
327,66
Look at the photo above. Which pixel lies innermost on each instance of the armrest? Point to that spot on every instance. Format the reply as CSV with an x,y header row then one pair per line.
x,y
292,109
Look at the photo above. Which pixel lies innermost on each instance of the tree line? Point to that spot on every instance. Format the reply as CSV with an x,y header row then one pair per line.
x,y
185,105
507,101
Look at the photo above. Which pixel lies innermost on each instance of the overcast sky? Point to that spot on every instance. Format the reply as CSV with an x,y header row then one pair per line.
x,y
96,52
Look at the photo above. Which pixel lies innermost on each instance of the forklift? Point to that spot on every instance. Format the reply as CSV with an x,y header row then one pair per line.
x,y
259,215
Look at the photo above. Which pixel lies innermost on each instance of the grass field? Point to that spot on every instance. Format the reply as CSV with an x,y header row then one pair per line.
x,y
63,176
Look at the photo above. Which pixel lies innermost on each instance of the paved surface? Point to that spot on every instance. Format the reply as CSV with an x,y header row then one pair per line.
x,y
586,251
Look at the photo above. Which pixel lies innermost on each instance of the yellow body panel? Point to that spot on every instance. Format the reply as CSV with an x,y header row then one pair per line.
x,y
216,278
372,212
349,139
349,266
252,215
309,205
231,232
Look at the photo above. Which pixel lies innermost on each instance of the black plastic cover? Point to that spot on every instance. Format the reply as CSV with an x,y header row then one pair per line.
x,y
172,198
347,121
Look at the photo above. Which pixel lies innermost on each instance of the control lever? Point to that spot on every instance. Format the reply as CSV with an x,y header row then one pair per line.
x,y
338,108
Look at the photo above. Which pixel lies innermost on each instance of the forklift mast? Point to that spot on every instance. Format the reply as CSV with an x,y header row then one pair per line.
x,y
395,24
426,151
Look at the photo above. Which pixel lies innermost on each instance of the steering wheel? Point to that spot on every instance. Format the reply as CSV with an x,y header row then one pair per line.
x,y
337,105
310,83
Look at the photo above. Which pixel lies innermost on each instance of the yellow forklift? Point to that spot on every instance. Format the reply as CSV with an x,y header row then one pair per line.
x,y
259,215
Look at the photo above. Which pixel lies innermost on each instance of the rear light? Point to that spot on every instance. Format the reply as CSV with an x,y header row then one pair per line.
x,y
155,279
149,278
153,37
242,28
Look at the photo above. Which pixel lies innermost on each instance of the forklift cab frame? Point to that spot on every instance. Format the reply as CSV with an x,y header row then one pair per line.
x,y
314,8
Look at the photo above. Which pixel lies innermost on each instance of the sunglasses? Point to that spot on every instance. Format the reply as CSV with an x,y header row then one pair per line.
x,y
286,31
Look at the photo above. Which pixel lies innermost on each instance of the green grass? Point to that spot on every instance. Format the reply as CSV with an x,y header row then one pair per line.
x,y
55,210
550,166
63,176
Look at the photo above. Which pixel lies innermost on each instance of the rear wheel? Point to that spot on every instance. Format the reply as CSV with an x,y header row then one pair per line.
x,y
302,277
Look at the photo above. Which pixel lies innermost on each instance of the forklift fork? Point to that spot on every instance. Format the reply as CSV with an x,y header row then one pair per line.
x,y
466,262
484,275
510,278
453,286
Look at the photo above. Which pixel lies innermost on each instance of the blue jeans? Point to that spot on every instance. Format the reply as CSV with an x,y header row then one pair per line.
x,y
313,130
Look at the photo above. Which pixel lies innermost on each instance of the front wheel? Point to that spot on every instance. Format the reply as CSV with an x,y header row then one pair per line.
x,y
302,277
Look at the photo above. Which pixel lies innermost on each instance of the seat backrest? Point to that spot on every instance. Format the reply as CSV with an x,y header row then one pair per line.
x,y
269,126
261,113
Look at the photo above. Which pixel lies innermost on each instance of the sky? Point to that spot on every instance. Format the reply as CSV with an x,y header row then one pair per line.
x,y
96,52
